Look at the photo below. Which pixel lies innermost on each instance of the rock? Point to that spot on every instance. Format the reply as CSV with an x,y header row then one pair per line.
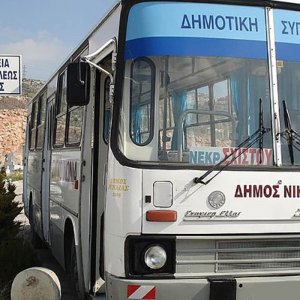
x,y
12,128
13,112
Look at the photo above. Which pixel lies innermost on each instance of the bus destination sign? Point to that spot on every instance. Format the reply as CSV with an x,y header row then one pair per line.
x,y
10,75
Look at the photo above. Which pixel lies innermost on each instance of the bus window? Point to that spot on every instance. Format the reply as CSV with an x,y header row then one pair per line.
x,y
75,120
168,121
61,108
214,120
205,104
288,77
222,103
33,126
141,101
41,121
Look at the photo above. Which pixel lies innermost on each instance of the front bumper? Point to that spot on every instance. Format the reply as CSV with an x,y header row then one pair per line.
x,y
247,288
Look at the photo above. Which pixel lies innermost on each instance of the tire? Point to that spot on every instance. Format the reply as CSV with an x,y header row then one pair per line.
x,y
72,268
35,240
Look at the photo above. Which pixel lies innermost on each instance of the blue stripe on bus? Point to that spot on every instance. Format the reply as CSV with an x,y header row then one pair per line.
x,y
206,20
182,46
287,51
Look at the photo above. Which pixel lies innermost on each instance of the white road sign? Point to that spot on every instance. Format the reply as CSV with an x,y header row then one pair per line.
x,y
10,74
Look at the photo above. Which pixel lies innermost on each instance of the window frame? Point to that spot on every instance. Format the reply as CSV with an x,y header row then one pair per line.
x,y
211,107
67,127
62,80
41,119
151,103
33,124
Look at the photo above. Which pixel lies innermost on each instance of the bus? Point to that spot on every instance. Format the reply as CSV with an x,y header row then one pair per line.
x,y
162,159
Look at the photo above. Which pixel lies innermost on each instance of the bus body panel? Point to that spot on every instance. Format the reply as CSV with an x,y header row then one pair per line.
x,y
124,193
65,174
109,29
34,187
259,202
259,288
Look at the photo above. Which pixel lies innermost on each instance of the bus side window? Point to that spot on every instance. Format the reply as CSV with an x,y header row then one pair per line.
x,y
61,109
74,125
41,121
33,126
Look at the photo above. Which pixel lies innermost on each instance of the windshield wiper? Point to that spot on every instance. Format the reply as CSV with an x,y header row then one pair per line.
x,y
245,145
289,133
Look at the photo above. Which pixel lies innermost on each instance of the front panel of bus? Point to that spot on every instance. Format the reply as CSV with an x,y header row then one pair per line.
x,y
206,178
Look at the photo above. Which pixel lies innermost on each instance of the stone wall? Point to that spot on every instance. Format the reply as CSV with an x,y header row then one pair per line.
x,y
12,133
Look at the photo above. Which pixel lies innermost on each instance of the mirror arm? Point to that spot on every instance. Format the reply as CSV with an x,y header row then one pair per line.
x,y
89,57
111,41
79,74
111,86
84,59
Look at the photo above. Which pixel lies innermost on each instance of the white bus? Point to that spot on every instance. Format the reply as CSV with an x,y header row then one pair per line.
x,y
163,157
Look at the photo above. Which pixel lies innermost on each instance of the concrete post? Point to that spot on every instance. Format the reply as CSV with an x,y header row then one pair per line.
x,y
36,284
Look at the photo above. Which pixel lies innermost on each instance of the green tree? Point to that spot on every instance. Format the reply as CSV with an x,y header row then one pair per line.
x,y
16,254
9,209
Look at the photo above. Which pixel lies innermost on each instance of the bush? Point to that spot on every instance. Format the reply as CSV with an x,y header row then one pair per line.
x,y
9,209
16,254
15,176
4,291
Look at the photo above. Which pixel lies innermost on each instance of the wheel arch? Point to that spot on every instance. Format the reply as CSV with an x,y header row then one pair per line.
x,y
30,207
70,238
69,235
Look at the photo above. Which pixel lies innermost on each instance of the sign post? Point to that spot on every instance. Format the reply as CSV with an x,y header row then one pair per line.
x,y
10,74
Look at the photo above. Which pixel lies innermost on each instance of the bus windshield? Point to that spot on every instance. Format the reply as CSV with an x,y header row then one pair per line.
x,y
192,94
288,75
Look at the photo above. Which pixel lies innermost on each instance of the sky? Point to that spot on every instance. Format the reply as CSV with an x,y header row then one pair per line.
x,y
46,32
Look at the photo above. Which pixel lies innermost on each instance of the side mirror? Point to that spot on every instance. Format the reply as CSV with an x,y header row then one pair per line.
x,y
78,84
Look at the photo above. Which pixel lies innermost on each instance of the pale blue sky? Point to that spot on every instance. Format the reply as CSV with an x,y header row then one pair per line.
x,y
45,32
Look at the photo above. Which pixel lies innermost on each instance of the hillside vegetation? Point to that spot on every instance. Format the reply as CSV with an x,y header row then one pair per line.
x,y
29,89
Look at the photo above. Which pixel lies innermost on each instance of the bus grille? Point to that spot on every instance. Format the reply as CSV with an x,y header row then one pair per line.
x,y
245,257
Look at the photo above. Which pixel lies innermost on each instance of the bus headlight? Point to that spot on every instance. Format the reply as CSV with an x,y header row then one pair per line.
x,y
155,257
151,256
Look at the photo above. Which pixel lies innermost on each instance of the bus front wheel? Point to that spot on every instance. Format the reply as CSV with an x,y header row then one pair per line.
x,y
34,237
72,269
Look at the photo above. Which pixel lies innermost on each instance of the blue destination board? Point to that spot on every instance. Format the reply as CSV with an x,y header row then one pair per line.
x,y
287,34
167,28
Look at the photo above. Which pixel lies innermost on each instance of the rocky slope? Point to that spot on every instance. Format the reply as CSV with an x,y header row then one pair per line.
x,y
13,120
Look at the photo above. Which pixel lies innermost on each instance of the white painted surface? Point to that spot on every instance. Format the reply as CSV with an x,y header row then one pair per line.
x,y
10,74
